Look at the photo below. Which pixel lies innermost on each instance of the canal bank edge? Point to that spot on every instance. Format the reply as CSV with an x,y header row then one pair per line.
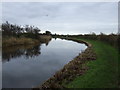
x,y
75,67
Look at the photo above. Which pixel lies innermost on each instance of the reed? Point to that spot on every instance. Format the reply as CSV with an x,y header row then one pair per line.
x,y
45,38
12,41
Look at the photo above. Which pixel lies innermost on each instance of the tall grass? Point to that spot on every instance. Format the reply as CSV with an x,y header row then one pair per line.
x,y
11,41
45,38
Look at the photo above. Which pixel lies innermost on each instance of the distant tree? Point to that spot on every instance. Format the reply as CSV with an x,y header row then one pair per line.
x,y
6,29
93,33
36,30
16,30
47,32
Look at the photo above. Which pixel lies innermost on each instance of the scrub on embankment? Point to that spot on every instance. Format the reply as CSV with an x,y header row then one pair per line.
x,y
103,72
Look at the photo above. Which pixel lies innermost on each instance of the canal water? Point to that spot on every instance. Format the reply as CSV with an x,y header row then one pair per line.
x,y
30,66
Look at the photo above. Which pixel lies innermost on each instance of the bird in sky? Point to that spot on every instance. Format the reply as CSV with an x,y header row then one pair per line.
x,y
47,15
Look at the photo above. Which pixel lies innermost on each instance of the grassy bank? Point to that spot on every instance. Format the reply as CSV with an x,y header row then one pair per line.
x,y
45,38
103,72
11,41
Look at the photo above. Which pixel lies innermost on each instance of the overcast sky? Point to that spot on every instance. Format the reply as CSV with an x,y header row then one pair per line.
x,y
64,17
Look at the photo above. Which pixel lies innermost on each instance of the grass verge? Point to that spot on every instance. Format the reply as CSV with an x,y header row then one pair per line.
x,y
103,72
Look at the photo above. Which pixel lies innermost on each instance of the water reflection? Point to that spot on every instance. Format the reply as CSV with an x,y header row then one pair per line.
x,y
28,51
22,71
17,51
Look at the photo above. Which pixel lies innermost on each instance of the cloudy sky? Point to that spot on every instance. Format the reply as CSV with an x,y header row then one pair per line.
x,y
64,17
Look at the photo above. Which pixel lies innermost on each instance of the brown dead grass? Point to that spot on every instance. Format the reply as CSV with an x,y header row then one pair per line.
x,y
18,41
45,38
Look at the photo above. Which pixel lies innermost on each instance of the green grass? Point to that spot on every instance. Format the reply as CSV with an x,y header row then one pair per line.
x,y
103,72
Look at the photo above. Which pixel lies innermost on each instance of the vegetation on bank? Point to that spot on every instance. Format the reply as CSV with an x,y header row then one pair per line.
x,y
22,35
17,31
45,38
112,39
12,41
103,72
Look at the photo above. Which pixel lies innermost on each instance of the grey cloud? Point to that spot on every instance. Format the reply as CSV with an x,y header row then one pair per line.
x,y
64,17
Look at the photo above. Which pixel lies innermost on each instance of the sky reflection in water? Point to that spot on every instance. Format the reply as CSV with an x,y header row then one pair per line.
x,y
26,67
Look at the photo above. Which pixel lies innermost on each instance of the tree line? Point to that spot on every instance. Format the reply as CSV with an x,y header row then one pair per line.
x,y
112,39
18,31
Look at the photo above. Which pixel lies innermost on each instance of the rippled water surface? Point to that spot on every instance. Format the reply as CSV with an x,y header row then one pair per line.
x,y
29,66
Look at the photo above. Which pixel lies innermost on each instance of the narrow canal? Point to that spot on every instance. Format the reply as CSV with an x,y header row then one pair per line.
x,y
29,66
